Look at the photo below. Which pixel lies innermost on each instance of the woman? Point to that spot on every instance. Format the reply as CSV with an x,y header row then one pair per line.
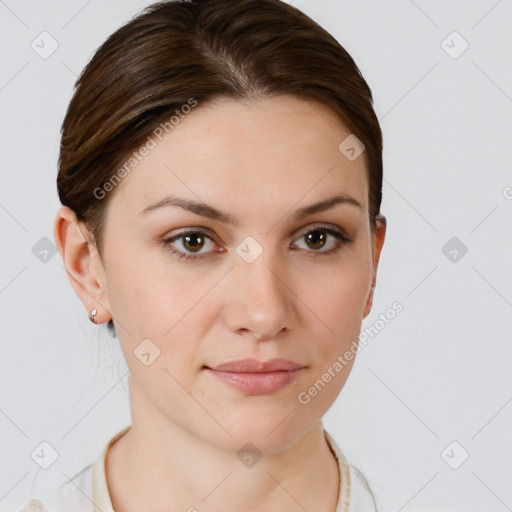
x,y
220,174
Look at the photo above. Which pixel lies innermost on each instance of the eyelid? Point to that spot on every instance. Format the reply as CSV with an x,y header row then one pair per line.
x,y
341,240
296,234
187,231
191,230
320,225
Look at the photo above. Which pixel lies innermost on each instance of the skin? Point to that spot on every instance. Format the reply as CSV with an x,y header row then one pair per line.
x,y
260,161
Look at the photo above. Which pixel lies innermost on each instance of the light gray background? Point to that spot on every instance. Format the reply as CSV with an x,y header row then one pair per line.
x,y
439,372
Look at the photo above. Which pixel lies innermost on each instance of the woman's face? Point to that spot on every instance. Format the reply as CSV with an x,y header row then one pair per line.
x,y
254,278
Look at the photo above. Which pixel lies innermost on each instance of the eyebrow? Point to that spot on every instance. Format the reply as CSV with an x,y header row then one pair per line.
x,y
213,213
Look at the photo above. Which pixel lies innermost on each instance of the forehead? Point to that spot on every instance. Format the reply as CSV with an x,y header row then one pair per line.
x,y
266,151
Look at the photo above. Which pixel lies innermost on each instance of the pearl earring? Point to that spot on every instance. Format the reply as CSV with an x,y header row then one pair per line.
x,y
92,316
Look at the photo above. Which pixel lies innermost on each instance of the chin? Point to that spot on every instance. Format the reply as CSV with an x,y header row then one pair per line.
x,y
268,435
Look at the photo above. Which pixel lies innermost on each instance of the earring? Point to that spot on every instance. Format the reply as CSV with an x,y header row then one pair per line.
x,y
92,316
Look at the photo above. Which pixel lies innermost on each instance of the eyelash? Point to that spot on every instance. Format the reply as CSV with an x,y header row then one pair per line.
x,y
341,240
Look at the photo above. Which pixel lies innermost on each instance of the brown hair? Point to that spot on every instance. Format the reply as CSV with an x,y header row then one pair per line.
x,y
202,49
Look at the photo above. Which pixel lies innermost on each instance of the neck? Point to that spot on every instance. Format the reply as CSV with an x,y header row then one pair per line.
x,y
159,465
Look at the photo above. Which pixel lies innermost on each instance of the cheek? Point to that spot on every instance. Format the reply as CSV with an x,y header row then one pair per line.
x,y
165,305
337,296
337,301
335,322
147,294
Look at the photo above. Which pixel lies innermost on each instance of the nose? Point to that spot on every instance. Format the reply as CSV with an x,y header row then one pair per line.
x,y
260,303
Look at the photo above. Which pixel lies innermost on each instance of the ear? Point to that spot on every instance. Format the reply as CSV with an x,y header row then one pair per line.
x,y
82,263
378,242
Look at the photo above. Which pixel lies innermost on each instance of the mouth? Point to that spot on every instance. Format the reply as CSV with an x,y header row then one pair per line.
x,y
254,377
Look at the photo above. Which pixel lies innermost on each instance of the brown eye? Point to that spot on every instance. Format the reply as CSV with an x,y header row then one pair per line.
x,y
193,242
316,239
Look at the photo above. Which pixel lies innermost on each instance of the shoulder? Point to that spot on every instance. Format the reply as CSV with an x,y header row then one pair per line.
x,y
33,505
362,498
84,492
73,495
356,494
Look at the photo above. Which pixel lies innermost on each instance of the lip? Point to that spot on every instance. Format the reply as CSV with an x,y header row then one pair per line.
x,y
254,377
256,366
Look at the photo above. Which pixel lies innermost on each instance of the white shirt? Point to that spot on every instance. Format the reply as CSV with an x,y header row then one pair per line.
x,y
89,487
